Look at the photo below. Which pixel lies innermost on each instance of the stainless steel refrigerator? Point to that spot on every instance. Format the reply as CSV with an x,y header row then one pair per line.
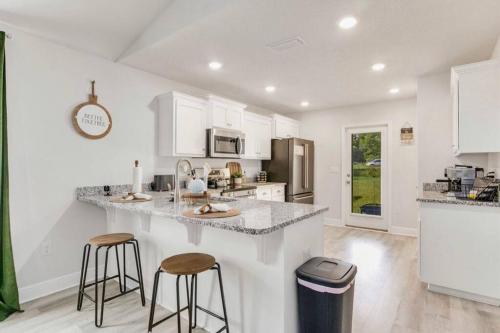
x,y
292,162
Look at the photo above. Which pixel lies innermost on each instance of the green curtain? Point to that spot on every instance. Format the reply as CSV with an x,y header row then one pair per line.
x,y
9,298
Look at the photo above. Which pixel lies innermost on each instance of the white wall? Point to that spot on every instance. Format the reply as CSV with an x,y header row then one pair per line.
x,y
325,128
48,159
434,122
496,51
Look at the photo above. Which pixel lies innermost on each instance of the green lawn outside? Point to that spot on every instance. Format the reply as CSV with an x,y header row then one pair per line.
x,y
365,186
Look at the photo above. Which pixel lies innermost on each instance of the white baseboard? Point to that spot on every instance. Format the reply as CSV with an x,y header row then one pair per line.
x,y
395,230
464,294
52,286
332,221
403,231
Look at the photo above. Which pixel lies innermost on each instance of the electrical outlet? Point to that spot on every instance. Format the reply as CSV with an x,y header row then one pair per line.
x,y
46,248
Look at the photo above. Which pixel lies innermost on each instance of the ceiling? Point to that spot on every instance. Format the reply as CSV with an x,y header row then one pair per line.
x,y
177,39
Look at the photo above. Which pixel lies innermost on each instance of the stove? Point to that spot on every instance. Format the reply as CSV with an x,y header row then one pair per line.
x,y
240,191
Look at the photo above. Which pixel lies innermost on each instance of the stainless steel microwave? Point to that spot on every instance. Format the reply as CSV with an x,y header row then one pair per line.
x,y
225,143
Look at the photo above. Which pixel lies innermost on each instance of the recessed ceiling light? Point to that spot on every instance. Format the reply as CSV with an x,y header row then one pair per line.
x,y
394,90
215,65
304,104
348,22
378,67
270,89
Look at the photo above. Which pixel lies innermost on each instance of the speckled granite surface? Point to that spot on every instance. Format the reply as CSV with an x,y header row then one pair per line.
x,y
438,197
257,217
99,190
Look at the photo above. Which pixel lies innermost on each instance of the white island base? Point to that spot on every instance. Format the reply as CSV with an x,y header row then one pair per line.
x,y
258,270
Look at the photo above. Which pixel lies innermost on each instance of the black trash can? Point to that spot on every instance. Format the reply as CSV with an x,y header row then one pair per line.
x,y
325,295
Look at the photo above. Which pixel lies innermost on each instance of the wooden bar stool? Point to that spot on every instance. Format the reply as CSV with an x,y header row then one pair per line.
x,y
185,265
109,241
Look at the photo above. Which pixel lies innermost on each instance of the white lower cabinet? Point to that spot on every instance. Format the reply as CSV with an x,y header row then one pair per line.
x,y
264,193
275,192
459,250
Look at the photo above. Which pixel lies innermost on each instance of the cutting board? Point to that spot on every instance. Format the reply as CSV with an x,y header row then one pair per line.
x,y
234,167
230,213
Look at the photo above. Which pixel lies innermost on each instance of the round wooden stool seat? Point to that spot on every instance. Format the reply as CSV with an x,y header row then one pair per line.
x,y
111,239
188,263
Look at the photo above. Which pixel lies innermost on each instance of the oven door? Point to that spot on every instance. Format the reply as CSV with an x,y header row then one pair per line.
x,y
225,143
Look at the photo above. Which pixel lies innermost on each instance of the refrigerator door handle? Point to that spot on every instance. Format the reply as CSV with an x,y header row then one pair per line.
x,y
306,166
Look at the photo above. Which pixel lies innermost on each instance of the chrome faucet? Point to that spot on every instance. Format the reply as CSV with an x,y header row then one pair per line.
x,y
188,170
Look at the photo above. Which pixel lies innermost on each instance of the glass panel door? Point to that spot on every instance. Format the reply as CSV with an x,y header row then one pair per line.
x,y
365,191
366,166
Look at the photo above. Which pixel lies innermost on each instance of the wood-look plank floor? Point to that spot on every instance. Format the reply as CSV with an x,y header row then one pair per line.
x,y
388,297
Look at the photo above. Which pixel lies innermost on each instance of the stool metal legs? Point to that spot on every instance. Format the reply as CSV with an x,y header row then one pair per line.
x,y
99,313
219,273
83,275
153,303
138,265
192,306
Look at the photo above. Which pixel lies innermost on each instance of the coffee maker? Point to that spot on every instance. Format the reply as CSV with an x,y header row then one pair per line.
x,y
460,179
219,178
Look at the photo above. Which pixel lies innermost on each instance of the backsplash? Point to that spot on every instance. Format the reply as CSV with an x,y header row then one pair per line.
x,y
435,187
166,165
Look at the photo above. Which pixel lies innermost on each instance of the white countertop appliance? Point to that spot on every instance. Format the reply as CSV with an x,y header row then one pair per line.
x,y
219,178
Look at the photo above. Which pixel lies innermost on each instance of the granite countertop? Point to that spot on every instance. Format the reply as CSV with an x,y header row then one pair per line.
x,y
438,197
257,217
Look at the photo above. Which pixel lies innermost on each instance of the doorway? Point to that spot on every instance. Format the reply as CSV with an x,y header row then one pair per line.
x,y
365,177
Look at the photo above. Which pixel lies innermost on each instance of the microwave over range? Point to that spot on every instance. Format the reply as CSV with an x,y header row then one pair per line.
x,y
225,143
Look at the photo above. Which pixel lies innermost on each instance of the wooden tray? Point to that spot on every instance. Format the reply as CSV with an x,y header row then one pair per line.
x,y
121,200
230,213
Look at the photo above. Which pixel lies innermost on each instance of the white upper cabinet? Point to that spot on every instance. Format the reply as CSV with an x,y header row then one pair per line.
x,y
258,135
182,125
284,127
476,107
225,113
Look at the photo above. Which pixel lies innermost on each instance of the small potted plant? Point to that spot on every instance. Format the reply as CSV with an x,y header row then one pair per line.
x,y
237,178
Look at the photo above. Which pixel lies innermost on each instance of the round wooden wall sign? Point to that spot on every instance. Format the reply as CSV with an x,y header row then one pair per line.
x,y
91,119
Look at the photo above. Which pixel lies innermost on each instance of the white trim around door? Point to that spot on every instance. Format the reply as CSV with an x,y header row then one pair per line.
x,y
349,218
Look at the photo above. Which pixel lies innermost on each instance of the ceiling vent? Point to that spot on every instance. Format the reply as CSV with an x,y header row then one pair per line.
x,y
286,44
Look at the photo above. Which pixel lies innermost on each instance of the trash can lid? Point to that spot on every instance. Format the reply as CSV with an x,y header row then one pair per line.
x,y
327,272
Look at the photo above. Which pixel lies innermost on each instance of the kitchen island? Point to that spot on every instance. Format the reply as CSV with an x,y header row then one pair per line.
x,y
258,250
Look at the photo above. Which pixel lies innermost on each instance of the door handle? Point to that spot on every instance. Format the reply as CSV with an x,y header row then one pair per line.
x,y
306,159
238,145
